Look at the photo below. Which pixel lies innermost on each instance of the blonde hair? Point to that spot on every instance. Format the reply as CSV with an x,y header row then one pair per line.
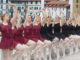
x,y
63,20
57,20
69,21
74,22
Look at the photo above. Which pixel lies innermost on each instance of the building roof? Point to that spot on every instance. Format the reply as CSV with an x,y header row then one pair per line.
x,y
29,0
57,4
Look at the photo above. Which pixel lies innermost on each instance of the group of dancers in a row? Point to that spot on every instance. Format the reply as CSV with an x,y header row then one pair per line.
x,y
31,37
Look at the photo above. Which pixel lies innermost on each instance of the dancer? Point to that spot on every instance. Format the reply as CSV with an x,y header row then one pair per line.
x,y
36,31
63,35
8,43
56,28
71,24
28,32
77,32
46,31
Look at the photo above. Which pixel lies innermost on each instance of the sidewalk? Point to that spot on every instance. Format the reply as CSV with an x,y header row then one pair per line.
x,y
72,57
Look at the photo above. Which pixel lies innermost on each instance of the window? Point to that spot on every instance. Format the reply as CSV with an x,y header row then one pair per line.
x,y
63,8
4,6
6,1
56,8
1,1
27,2
36,2
76,1
22,7
1,6
46,1
7,12
31,2
40,2
19,8
11,9
39,8
1,13
67,0
36,8
76,6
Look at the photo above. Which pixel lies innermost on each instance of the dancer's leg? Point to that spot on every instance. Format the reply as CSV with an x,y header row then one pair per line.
x,y
20,49
5,54
50,51
10,52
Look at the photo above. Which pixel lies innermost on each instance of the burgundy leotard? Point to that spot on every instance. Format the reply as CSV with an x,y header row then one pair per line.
x,y
36,33
32,33
18,35
27,33
7,41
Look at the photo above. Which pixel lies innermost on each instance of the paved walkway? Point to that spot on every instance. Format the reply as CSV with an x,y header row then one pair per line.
x,y
72,57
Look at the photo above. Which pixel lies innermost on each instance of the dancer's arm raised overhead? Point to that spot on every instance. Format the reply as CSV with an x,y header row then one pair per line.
x,y
49,18
63,18
55,11
62,13
43,22
19,20
55,17
26,10
13,19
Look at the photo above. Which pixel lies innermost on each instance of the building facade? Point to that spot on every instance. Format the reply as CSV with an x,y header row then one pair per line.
x,y
35,4
59,4
76,7
4,6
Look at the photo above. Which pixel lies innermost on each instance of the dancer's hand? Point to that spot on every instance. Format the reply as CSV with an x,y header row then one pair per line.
x,y
12,4
54,9
25,9
39,11
42,9
48,9
19,15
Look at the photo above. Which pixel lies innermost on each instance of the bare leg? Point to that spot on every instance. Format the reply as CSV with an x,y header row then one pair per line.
x,y
38,46
57,51
10,52
71,49
5,54
39,54
71,44
64,45
35,56
49,45
20,49
50,51
29,55
76,45
31,44
19,57
45,56
63,51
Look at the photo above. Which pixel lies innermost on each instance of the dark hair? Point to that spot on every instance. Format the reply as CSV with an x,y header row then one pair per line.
x,y
2,17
